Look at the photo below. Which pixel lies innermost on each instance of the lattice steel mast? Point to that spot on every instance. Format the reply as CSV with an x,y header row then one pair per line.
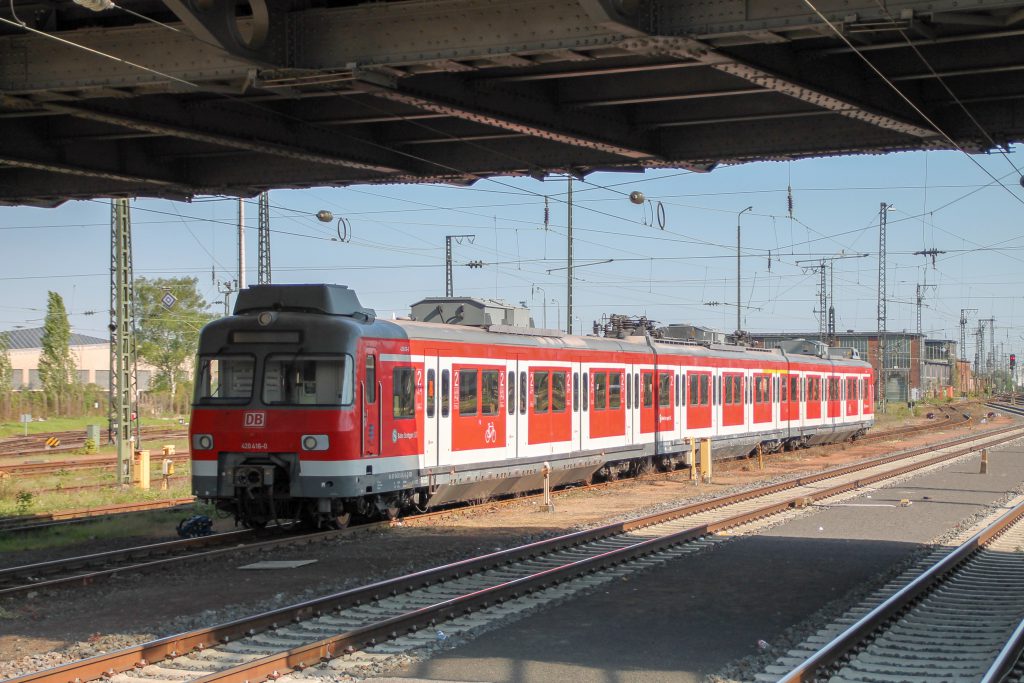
x,y
263,265
123,384
882,215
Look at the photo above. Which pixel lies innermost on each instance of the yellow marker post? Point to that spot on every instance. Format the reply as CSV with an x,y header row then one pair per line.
x,y
141,473
705,460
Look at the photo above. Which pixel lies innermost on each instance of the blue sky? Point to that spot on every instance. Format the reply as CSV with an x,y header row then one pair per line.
x,y
941,200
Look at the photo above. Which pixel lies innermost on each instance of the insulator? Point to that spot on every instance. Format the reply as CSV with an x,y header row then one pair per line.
x,y
95,5
547,213
789,200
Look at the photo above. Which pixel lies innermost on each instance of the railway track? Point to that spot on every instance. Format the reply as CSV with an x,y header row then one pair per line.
x,y
71,440
57,466
960,619
401,614
29,523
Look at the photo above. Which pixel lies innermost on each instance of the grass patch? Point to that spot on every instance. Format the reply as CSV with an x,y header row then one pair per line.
x,y
153,523
63,424
56,501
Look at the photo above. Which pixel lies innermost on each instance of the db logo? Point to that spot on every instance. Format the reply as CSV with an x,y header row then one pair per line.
x,y
255,420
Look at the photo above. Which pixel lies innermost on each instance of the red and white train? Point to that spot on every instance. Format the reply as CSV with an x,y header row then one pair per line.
x,y
307,406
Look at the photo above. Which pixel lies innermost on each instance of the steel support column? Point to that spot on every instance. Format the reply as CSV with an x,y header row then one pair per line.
x,y
122,339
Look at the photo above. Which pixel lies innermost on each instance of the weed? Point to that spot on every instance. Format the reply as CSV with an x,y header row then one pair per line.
x,y
23,502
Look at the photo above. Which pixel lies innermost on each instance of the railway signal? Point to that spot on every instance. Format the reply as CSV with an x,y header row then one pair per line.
x,y
1013,361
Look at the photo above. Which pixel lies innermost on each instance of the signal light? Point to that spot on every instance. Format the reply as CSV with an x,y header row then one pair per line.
x,y
1013,361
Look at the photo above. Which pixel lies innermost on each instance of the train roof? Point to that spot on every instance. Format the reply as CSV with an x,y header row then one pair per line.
x,y
541,338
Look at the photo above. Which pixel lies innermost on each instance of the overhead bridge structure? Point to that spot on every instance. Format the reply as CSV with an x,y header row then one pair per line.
x,y
173,98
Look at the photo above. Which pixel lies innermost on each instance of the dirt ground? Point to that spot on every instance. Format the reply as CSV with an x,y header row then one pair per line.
x,y
50,627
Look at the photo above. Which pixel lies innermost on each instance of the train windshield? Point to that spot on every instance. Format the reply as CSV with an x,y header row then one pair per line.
x,y
290,379
225,379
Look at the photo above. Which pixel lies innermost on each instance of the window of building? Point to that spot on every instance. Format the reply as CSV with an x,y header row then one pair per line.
x,y
403,393
467,392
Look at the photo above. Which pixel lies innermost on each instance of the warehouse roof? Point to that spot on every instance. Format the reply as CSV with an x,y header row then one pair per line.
x,y
33,339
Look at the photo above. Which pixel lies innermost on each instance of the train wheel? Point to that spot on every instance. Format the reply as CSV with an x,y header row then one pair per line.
x,y
340,521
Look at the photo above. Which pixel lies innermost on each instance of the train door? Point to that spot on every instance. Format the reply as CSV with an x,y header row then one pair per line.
x,y
522,407
371,389
631,404
444,410
431,414
698,405
648,411
577,407
511,408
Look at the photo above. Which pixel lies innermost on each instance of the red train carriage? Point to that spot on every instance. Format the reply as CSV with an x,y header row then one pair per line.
x,y
308,407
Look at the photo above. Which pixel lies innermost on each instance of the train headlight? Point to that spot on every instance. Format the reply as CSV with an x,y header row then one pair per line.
x,y
266,317
202,442
315,442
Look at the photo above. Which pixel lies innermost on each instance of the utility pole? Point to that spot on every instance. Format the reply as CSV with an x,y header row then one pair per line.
x,y
963,331
449,284
263,265
920,300
122,339
979,352
992,345
241,244
882,217
739,274
568,303
826,295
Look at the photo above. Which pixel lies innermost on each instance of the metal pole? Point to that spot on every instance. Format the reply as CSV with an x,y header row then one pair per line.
x,y
568,305
122,342
448,285
882,217
263,265
241,244
739,275
822,298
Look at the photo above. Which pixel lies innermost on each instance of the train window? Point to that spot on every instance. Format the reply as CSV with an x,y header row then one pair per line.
x,y
678,389
728,389
575,392
490,392
511,397
290,379
371,378
636,389
431,376
794,388
558,392
614,390
600,390
403,393
225,379
467,392
523,389
586,391
629,393
704,381
540,392
648,390
784,390
694,390
664,389
445,385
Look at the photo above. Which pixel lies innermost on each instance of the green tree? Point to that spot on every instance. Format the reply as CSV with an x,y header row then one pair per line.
x,y
56,366
167,336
